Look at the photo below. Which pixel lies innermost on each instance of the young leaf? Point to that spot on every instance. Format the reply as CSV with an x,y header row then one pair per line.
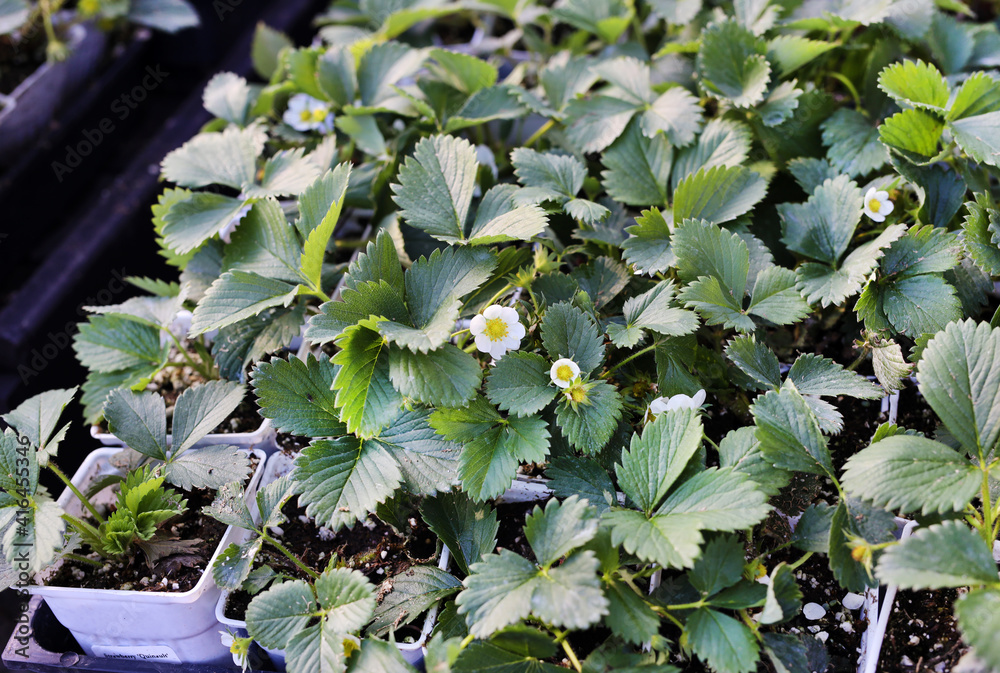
x,y
916,84
568,332
228,158
718,194
788,432
520,384
139,420
443,377
723,643
560,528
732,64
236,295
648,246
332,184
365,396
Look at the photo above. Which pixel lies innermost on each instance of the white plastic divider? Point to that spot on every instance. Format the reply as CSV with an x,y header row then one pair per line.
x,y
278,465
140,625
262,438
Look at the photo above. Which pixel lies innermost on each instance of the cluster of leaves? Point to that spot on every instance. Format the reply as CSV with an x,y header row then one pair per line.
x,y
669,196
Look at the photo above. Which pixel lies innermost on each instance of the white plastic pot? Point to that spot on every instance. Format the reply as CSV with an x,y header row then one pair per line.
x,y
262,438
278,465
141,625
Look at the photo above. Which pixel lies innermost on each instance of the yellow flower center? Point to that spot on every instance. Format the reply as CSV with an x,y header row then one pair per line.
x,y
874,205
305,115
496,329
319,115
564,373
576,394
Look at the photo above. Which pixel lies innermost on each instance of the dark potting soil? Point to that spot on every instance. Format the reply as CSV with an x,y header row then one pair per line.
x,y
922,636
914,412
17,62
511,533
174,574
290,445
361,548
861,420
843,627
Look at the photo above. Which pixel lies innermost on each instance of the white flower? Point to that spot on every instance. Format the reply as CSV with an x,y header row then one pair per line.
x,y
497,330
181,324
239,647
563,372
877,205
305,113
229,227
661,404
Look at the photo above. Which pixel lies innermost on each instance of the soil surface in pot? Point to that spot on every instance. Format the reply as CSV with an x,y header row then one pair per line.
x,y
843,627
290,445
174,574
914,412
922,636
372,547
510,535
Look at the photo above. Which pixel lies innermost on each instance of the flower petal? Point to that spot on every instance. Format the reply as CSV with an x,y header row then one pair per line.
x,y
509,315
699,398
517,330
497,349
886,208
483,343
477,325
870,194
492,312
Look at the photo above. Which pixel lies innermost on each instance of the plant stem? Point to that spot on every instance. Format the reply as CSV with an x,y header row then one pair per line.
x,y
630,358
190,361
82,559
504,290
572,656
987,530
291,557
857,362
465,641
539,133
805,557
72,487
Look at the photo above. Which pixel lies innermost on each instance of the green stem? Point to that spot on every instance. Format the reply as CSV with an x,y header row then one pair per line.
x,y
539,133
995,320
630,358
465,641
687,606
987,529
291,557
507,288
82,559
857,362
572,656
805,557
187,357
850,87
72,487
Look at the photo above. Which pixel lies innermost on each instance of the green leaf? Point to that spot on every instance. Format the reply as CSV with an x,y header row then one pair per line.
x,y
489,461
740,450
466,73
139,420
560,174
560,528
720,566
410,595
427,462
264,244
602,279
676,113
190,221
651,310
915,84
606,19
506,588
718,194
332,184
944,555
637,168
827,285
340,481
297,396
908,473
823,226
443,377
227,96
704,249
853,141
500,219
112,343
756,360
977,618
812,533
629,616
659,456
914,133
36,535
435,187
467,423
436,283
789,434
210,467
365,396
723,643
276,615
467,529
568,332
170,16
853,519
381,67
959,376
520,383
228,158
594,123
816,375
244,342
716,304
890,366
723,143
37,417
790,52
977,236
978,94
784,600
236,295
732,64
648,246
590,425
582,477
201,408
780,104
266,48
978,136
